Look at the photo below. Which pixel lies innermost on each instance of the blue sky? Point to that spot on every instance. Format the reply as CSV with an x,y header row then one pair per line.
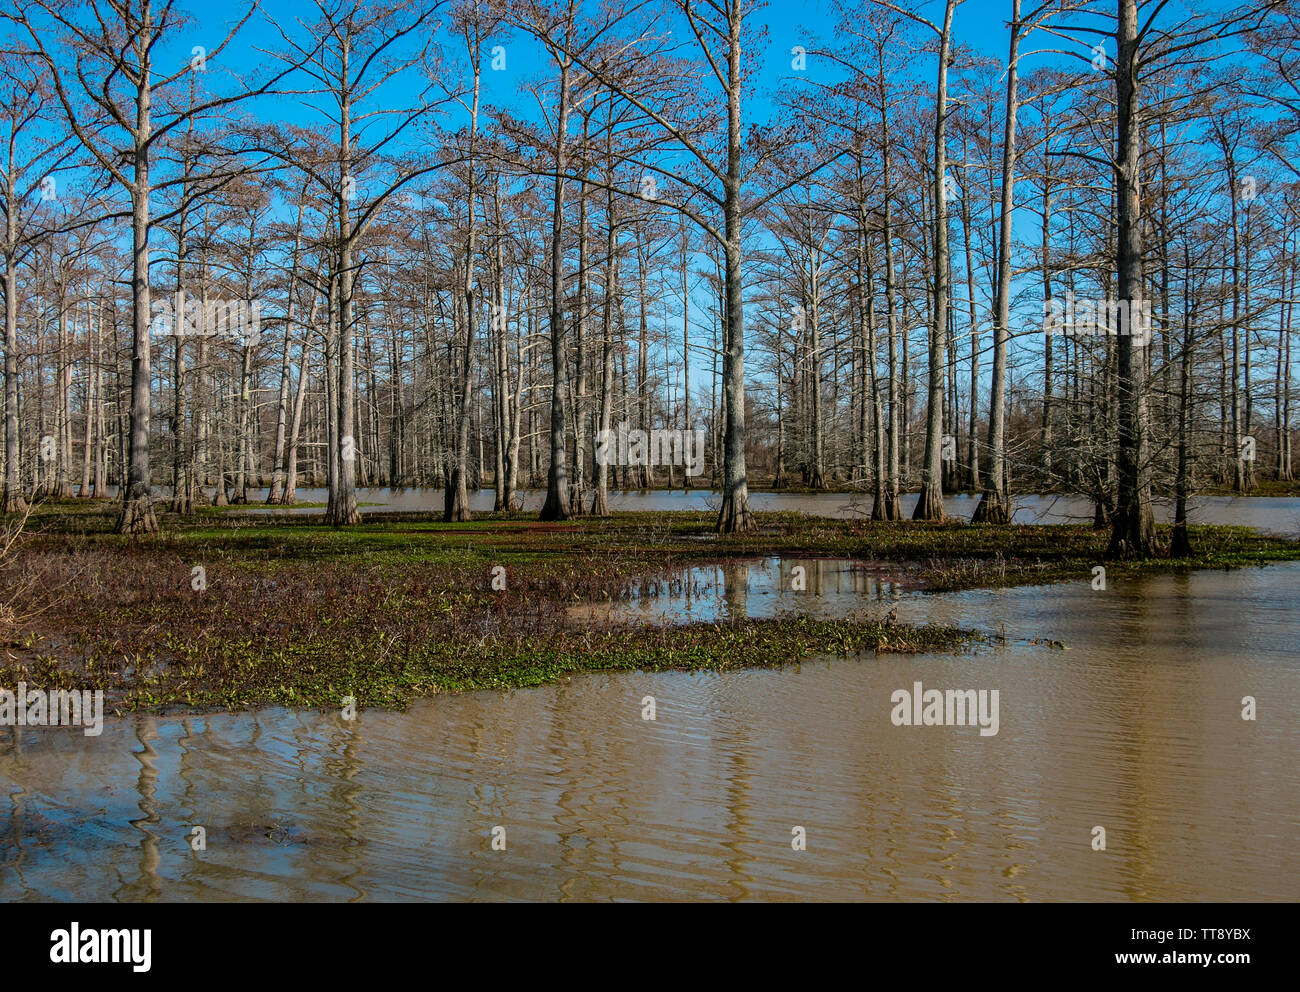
x,y
979,25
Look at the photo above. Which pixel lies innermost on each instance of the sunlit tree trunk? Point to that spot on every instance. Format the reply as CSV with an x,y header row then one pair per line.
x,y
993,507
929,506
734,515
556,506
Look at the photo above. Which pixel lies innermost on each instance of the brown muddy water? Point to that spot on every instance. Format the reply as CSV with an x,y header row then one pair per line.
x,y
1135,727
769,586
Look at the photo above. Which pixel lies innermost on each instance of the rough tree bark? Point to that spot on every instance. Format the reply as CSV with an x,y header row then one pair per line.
x,y
993,506
929,506
1133,528
556,506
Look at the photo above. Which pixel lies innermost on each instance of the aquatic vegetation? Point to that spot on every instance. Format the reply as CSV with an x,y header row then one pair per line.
x,y
292,613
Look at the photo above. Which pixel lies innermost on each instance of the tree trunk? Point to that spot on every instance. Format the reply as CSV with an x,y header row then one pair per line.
x,y
342,509
13,497
137,503
993,507
276,493
734,515
556,506
1134,532
929,506
1180,544
456,509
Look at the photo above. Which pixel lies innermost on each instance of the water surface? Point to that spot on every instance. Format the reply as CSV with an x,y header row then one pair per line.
x,y
1273,514
1136,728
